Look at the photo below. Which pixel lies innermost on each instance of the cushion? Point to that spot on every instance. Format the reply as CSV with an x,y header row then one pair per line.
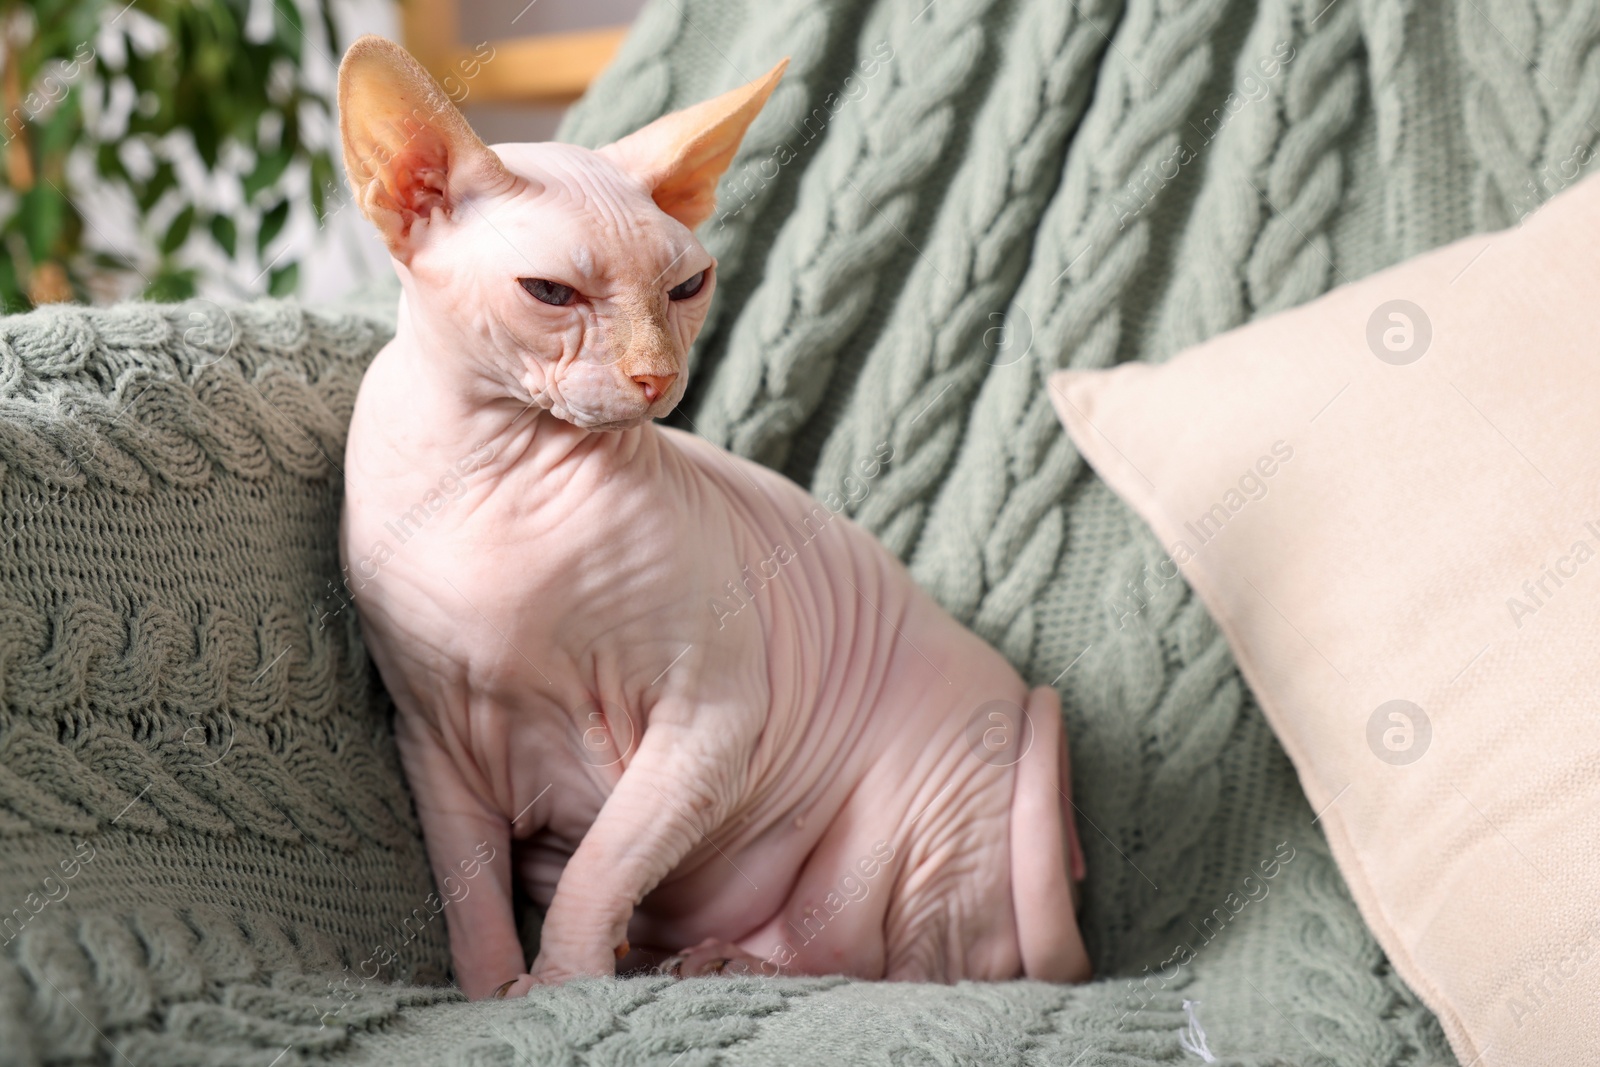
x,y
1389,499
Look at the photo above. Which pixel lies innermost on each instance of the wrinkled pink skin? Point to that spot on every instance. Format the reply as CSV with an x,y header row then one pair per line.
x,y
796,781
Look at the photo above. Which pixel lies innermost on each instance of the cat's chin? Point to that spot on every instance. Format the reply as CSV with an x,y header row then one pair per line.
x,y
613,427
562,408
594,424
602,426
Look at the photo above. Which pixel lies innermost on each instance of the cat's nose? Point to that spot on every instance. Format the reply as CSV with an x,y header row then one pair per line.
x,y
655,386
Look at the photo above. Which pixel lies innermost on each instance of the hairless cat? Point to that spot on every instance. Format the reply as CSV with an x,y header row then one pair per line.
x,y
693,712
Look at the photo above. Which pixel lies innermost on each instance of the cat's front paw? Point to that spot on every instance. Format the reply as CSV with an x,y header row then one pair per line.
x,y
519,986
553,969
711,957
542,974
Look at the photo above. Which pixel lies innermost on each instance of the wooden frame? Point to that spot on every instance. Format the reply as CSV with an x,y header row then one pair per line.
x,y
548,68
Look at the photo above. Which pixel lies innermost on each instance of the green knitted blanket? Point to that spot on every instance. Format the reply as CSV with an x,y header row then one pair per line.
x,y
207,854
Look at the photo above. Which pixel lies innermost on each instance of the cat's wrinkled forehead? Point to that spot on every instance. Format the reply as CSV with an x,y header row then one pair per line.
x,y
579,177
600,218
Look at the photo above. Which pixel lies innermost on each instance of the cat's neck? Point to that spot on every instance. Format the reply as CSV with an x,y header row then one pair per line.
x,y
454,413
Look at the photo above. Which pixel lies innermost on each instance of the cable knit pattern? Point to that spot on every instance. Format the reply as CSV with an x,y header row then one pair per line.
x,y
744,1020
177,697
1505,117
1292,260
1571,92
856,202
1206,297
209,855
1533,104
1278,151
794,122
1383,28
997,524
194,757
948,325
1168,671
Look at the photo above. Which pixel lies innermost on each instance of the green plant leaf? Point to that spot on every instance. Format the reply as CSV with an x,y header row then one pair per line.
x,y
291,28
61,129
225,233
171,283
283,281
108,163
323,182
43,210
207,140
12,298
211,60
178,232
271,225
162,180
329,28
111,261
268,169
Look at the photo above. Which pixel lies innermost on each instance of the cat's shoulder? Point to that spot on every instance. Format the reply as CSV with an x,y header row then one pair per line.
x,y
725,468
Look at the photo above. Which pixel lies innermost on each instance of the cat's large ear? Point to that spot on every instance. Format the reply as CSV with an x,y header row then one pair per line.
x,y
407,151
680,156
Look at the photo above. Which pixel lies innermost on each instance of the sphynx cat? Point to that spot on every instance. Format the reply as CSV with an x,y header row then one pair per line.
x,y
663,689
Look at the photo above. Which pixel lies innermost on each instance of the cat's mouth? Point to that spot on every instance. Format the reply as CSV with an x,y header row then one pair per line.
x,y
603,421
597,401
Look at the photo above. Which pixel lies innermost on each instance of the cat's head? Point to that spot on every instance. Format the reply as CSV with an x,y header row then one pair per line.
x,y
563,277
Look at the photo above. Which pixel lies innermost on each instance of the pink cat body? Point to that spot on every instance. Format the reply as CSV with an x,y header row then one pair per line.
x,y
682,703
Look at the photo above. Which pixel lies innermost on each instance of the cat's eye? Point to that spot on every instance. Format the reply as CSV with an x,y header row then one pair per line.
x,y
549,292
685,290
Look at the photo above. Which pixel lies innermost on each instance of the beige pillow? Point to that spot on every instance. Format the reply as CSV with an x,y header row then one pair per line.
x,y
1390,501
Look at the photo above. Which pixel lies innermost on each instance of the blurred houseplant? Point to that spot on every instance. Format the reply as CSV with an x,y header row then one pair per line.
x,y
125,99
